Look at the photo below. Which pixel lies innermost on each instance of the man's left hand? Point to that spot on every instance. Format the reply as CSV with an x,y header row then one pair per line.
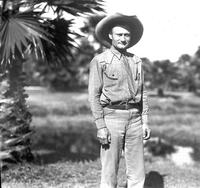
x,y
146,132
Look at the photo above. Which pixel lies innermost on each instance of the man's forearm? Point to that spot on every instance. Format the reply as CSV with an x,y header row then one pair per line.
x,y
94,88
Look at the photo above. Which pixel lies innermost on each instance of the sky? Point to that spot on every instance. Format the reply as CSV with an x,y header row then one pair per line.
x,y
171,27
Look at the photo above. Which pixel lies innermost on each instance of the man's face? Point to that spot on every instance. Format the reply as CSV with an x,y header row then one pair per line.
x,y
120,37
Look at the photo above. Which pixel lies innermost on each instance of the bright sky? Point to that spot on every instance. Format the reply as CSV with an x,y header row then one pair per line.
x,y
171,27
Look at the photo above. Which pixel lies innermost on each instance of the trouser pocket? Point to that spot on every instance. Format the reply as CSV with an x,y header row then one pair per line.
x,y
108,111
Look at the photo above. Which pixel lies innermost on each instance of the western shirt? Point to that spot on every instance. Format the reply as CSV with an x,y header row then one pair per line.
x,y
114,77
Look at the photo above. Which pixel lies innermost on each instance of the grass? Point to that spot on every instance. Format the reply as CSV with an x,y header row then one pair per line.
x,y
67,152
176,119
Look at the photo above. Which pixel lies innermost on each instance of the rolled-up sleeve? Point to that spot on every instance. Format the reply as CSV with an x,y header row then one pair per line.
x,y
95,90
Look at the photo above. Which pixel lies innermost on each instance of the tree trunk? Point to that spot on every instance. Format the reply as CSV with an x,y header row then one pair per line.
x,y
14,117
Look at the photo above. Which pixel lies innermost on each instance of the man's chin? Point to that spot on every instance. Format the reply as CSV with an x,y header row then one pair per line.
x,y
122,47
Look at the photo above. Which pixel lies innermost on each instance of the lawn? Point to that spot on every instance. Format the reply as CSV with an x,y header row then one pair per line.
x,y
67,152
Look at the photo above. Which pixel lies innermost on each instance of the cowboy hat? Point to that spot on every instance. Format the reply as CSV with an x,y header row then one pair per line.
x,y
104,27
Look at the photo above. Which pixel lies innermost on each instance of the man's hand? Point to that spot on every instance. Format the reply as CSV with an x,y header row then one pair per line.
x,y
104,136
146,132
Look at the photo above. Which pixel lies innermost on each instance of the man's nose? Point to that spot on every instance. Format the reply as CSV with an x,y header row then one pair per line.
x,y
123,38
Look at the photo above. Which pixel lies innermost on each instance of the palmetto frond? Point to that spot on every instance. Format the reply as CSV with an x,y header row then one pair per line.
x,y
24,31
18,32
75,7
60,50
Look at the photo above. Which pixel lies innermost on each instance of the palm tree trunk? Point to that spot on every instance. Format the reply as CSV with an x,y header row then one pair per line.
x,y
14,116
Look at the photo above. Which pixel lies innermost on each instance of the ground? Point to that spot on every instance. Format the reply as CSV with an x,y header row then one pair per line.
x,y
67,152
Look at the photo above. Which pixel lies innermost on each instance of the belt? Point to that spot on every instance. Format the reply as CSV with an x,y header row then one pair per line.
x,y
124,106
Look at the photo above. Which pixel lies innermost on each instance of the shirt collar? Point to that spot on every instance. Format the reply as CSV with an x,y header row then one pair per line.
x,y
116,52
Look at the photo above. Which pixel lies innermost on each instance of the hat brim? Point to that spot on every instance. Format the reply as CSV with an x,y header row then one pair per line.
x,y
104,27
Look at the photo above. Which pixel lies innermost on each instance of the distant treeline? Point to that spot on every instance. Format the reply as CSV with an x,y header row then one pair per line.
x,y
183,74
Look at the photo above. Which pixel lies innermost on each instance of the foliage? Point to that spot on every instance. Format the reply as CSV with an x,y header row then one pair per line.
x,y
161,74
24,31
180,75
32,30
74,72
14,117
89,30
19,32
195,64
59,29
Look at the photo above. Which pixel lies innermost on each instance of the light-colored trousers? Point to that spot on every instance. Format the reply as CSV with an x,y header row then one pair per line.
x,y
126,132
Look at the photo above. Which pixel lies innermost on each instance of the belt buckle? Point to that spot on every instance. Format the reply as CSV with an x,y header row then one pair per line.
x,y
126,105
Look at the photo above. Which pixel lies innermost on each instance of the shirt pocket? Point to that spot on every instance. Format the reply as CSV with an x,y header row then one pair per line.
x,y
111,74
138,83
138,79
137,74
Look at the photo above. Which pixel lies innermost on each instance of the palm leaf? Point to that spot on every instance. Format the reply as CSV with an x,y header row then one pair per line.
x,y
5,155
15,141
18,32
8,154
60,50
75,7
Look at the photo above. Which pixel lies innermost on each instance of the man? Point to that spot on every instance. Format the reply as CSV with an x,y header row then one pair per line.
x,y
119,101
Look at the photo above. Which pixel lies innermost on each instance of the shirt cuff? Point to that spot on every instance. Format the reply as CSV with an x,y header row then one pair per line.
x,y
100,123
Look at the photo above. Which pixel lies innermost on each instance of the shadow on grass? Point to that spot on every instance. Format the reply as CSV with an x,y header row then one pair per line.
x,y
70,143
154,180
159,147
196,153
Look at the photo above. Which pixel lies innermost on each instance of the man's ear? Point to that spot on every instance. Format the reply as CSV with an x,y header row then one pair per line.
x,y
110,36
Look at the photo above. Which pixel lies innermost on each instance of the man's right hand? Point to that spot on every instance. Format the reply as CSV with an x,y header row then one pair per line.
x,y
104,136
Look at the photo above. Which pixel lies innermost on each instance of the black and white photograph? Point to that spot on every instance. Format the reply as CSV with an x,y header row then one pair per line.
x,y
99,94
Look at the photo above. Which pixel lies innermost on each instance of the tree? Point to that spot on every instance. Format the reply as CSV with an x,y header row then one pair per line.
x,y
76,74
189,71
185,72
89,30
25,31
89,46
148,68
195,66
163,73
